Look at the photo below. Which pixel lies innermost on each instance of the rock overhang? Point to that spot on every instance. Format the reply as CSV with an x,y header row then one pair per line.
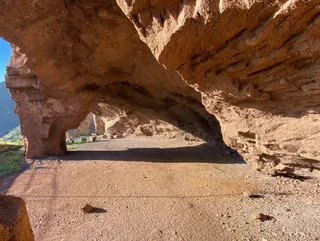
x,y
254,65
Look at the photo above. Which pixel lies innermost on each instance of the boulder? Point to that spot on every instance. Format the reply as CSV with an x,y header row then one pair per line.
x,y
14,220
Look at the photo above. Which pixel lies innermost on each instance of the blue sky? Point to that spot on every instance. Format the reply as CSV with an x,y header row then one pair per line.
x,y
5,52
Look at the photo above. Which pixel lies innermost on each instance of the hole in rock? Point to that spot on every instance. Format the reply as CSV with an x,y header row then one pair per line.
x,y
133,136
130,122
138,123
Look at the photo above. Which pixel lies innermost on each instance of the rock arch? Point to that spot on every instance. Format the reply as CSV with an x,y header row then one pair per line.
x,y
263,90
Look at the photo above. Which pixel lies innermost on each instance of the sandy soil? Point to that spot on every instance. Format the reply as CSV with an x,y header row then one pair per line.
x,y
150,189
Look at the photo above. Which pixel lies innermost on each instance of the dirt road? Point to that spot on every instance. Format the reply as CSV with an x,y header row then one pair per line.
x,y
151,189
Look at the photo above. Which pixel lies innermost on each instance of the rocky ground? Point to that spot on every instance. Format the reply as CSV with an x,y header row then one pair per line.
x,y
150,189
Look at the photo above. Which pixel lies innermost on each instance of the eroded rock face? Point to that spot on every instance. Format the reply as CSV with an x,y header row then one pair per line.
x,y
44,120
131,109
14,220
256,64
86,53
252,64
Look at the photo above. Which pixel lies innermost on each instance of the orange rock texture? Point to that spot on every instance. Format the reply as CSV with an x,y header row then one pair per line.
x,y
251,65
14,220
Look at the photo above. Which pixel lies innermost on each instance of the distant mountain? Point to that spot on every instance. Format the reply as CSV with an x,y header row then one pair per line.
x,y
8,120
13,136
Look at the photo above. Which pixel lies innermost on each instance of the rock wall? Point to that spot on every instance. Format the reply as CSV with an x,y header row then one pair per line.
x,y
252,64
84,50
137,122
131,109
44,120
256,65
14,220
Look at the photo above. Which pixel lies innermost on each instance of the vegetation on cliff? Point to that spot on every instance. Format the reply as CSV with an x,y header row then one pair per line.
x,y
14,136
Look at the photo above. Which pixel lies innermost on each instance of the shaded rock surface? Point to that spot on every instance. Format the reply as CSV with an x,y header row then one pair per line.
x,y
131,109
254,65
89,66
117,118
14,220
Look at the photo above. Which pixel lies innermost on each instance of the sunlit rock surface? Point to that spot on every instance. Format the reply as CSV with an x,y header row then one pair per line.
x,y
254,65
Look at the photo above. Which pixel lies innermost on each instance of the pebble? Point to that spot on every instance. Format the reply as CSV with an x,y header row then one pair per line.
x,y
87,208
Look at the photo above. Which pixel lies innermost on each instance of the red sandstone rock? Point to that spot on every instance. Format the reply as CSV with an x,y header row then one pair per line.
x,y
14,220
77,66
254,65
44,120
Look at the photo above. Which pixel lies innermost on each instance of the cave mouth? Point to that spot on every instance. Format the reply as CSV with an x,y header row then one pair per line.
x,y
120,109
117,138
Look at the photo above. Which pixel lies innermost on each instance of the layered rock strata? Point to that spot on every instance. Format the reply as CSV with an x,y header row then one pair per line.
x,y
252,64
44,120
256,65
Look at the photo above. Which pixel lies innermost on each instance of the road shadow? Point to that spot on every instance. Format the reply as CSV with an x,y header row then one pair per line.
x,y
203,153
